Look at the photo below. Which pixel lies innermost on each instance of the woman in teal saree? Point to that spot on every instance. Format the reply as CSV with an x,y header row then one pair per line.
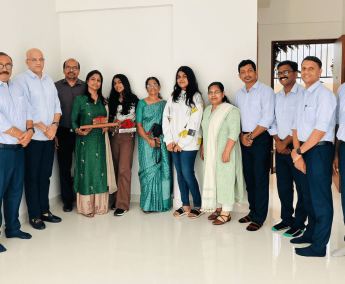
x,y
154,175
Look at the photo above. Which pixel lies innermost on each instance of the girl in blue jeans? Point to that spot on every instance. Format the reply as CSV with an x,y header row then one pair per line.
x,y
182,134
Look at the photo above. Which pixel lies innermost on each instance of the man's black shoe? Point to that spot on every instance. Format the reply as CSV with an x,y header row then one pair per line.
x,y
119,212
2,248
51,218
37,224
19,234
67,208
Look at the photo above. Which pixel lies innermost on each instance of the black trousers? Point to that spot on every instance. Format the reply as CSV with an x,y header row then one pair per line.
x,y
39,158
256,170
286,175
66,140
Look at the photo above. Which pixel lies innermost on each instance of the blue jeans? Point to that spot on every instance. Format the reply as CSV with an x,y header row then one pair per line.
x,y
184,165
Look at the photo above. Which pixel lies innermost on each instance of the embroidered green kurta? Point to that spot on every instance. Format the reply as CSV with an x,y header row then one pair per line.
x,y
229,176
90,172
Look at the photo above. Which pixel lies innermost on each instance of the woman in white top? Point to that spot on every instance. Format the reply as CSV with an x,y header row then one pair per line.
x,y
182,134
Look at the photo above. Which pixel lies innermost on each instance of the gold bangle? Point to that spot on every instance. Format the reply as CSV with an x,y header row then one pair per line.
x,y
11,130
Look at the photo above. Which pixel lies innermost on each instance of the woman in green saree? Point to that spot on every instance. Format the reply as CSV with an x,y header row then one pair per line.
x,y
223,177
155,177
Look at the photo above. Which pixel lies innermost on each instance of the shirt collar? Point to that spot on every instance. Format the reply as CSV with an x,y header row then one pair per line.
x,y
9,83
33,75
293,90
313,87
77,83
255,86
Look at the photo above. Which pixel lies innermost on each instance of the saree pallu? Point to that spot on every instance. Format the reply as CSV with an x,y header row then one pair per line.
x,y
155,179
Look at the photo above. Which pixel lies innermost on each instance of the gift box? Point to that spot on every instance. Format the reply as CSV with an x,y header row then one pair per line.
x,y
99,120
127,124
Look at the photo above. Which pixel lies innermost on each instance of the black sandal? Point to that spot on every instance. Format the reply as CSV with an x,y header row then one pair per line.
x,y
197,212
181,212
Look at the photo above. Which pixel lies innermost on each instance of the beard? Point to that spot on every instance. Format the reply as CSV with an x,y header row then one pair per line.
x,y
72,78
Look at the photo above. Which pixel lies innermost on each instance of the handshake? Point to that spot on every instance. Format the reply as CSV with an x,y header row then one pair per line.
x,y
174,147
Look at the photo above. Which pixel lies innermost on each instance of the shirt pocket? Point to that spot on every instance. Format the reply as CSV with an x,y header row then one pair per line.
x,y
310,114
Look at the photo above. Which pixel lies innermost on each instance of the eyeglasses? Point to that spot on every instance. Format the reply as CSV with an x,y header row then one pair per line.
x,y
35,59
74,68
151,86
215,92
286,72
8,66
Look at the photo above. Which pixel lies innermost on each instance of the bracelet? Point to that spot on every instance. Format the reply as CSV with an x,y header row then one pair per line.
x,y
11,131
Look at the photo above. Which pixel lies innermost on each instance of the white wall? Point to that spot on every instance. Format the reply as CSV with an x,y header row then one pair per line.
x,y
145,38
28,24
296,20
139,38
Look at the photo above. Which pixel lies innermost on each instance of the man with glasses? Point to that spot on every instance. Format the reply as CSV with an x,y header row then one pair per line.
x,y
39,154
68,89
313,153
16,130
285,106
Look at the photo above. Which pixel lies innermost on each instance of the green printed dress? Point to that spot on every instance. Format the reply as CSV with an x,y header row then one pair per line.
x,y
155,179
90,173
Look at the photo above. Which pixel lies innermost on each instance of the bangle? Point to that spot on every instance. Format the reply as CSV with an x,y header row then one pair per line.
x,y
11,130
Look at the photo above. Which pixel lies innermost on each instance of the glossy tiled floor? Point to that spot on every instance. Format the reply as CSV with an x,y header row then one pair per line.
x,y
158,248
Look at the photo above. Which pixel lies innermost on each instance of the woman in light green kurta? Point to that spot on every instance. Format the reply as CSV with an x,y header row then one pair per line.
x,y
223,177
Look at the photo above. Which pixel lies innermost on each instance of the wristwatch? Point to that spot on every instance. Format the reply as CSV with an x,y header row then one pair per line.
x,y
250,137
33,129
299,151
56,123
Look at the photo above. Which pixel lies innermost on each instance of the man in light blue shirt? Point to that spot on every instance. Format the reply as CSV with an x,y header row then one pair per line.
x,y
287,174
256,102
339,158
39,155
16,130
313,133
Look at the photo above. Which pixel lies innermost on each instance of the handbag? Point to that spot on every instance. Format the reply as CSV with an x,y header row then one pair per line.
x,y
156,131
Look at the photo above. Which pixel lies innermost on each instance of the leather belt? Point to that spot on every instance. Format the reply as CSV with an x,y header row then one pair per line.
x,y
321,143
10,146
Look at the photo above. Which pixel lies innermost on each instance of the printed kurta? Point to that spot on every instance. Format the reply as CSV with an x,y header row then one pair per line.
x,y
90,173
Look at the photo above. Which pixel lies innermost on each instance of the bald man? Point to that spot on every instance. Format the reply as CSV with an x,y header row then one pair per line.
x,y
39,154
68,89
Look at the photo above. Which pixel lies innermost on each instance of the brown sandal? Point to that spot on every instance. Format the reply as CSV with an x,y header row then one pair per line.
x,y
214,215
90,215
223,221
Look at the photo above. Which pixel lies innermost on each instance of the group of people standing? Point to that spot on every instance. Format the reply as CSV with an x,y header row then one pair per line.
x,y
37,116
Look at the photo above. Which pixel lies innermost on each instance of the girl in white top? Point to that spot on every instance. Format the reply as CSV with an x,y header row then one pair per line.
x,y
182,134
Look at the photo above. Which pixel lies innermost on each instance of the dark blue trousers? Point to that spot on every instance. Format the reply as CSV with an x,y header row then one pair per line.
x,y
256,170
39,158
286,175
317,195
184,165
11,187
341,156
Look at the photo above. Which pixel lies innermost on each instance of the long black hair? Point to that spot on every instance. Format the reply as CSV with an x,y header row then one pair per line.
x,y
157,81
221,87
99,91
128,97
191,89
